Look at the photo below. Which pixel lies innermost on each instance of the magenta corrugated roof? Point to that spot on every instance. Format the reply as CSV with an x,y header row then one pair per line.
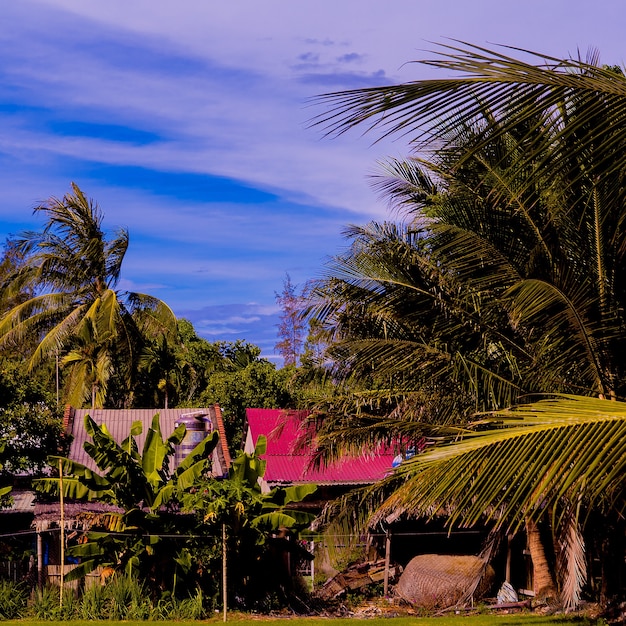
x,y
286,465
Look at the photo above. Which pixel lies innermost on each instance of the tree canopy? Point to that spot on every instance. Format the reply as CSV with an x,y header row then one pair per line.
x,y
505,281
68,272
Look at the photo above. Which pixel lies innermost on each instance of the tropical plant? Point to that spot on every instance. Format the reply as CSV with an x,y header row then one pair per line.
x,y
246,381
70,271
168,364
145,538
257,526
514,281
13,598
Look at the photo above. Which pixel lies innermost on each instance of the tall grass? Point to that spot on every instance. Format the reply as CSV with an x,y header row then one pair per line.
x,y
13,598
121,599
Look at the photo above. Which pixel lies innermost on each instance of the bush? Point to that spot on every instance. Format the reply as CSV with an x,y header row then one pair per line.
x,y
46,604
13,598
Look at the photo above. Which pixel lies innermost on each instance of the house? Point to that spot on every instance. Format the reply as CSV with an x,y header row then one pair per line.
x,y
199,422
287,465
45,516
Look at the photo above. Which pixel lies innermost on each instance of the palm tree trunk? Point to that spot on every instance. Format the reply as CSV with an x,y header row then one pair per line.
x,y
543,581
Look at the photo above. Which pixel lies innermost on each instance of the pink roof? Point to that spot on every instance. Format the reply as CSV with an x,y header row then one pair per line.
x,y
284,465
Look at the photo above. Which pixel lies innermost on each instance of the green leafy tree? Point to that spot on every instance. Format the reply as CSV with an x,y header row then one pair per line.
x,y
30,423
71,270
204,358
257,384
255,524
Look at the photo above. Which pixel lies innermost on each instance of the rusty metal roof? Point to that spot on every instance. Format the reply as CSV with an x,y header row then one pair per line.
x,y
286,464
119,421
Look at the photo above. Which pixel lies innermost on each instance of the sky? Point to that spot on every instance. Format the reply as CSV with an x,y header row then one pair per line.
x,y
189,123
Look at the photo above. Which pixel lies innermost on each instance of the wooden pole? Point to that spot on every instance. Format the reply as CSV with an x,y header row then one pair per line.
x,y
62,503
39,560
387,562
507,574
224,577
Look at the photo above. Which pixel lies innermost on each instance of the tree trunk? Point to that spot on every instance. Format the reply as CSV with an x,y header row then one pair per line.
x,y
543,581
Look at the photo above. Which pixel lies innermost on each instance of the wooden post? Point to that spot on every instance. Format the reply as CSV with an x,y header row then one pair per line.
x,y
507,574
224,577
387,562
62,503
312,544
39,560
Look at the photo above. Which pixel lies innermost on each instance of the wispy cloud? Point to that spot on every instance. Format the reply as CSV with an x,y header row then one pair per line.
x,y
190,123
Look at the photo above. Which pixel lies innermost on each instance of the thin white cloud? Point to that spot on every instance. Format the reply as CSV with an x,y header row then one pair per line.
x,y
222,89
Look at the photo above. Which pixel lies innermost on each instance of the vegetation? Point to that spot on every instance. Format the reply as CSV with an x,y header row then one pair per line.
x,y
167,529
292,326
501,285
238,619
62,292
143,539
258,528
506,281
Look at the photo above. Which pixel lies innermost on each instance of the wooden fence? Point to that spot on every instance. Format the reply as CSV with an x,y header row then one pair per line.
x,y
53,576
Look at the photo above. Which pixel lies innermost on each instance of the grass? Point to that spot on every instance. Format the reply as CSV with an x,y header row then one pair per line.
x,y
519,619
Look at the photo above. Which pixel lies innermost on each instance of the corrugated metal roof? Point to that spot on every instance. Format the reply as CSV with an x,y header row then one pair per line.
x,y
118,422
23,502
287,465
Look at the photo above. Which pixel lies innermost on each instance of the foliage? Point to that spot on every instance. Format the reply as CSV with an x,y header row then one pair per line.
x,y
122,598
518,619
292,324
257,384
204,359
71,270
46,605
508,279
258,526
167,365
30,425
13,598
141,539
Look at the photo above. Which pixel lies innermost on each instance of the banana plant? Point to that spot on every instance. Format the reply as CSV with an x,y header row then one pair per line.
x,y
240,502
146,492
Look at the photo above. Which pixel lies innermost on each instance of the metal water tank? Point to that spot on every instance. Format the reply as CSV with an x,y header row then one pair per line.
x,y
198,426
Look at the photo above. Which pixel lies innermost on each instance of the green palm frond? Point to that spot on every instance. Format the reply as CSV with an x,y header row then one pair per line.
x,y
427,109
532,458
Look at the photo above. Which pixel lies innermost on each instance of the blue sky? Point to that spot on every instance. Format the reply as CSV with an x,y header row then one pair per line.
x,y
188,122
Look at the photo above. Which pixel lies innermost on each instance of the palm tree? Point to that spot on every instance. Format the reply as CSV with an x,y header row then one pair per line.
x,y
90,365
518,215
559,458
73,270
168,364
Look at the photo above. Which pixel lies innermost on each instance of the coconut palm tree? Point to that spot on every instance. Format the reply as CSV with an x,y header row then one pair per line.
x,y
167,364
523,228
73,269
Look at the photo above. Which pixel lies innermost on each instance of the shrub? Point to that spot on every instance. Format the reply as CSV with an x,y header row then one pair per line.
x,y
13,598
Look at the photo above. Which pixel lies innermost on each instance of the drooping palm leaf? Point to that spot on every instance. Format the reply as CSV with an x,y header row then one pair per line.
x,y
531,459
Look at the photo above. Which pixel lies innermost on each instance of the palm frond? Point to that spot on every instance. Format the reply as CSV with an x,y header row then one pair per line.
x,y
535,456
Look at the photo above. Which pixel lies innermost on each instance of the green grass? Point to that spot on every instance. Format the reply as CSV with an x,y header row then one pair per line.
x,y
518,619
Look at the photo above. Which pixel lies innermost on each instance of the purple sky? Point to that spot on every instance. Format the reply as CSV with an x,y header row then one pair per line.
x,y
187,121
